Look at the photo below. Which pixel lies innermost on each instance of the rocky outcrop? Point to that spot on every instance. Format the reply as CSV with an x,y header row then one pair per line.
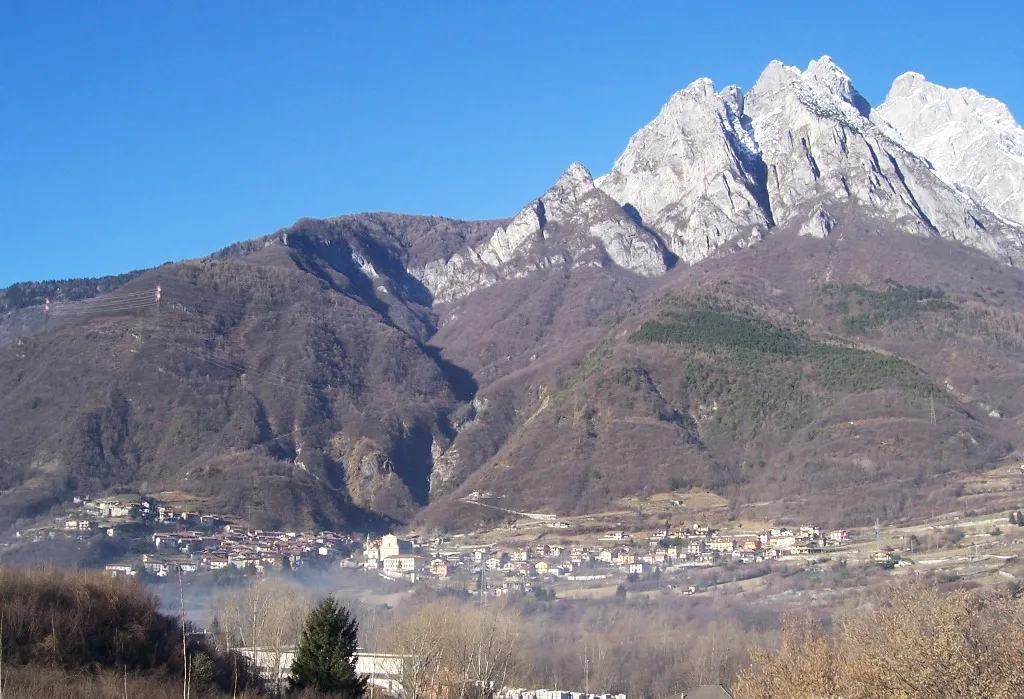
x,y
820,147
819,225
694,173
971,140
716,168
572,222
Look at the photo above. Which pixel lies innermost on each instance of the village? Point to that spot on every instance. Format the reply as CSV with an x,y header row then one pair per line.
x,y
188,541
616,552
168,541
540,557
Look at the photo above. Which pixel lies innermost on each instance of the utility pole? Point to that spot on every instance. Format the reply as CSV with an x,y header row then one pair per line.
x,y
878,535
586,668
1,656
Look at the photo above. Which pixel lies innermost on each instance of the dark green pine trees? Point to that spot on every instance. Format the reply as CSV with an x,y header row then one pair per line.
x,y
325,657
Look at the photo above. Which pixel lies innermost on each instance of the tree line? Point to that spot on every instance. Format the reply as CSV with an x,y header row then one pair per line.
x,y
67,635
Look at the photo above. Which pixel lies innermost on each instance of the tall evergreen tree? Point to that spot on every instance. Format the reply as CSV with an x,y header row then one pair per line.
x,y
325,659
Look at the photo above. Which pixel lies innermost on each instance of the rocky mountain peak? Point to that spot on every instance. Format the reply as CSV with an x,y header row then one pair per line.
x,y
577,174
963,103
701,87
573,224
906,83
569,188
692,173
971,140
775,76
824,74
716,169
732,95
824,88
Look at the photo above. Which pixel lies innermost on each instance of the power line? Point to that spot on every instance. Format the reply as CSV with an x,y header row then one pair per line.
x,y
68,312
100,304
109,298
197,300
240,369
110,303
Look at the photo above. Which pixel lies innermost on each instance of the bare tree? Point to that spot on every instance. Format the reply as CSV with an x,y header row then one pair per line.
x,y
461,650
914,641
420,637
266,616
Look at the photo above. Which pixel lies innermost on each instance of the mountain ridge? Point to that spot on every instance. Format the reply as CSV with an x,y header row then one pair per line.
x,y
375,368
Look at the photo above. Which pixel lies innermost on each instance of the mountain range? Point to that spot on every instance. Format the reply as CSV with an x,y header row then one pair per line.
x,y
783,295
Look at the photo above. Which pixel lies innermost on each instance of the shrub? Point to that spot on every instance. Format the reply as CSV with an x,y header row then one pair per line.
x,y
915,641
70,621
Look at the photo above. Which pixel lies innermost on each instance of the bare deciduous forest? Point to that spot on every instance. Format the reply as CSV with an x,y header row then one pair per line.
x,y
79,634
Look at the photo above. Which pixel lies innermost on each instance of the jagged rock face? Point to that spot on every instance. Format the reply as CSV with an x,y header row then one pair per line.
x,y
574,223
819,225
801,151
694,173
821,148
798,149
971,140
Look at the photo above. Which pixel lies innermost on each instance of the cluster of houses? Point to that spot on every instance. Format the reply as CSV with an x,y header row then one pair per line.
x,y
260,551
698,545
108,514
186,542
105,514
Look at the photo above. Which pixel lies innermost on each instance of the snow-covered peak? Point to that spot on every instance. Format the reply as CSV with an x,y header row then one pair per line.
x,y
827,76
961,103
824,87
703,87
971,140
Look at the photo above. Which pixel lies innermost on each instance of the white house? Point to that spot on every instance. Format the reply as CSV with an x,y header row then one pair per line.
x,y
839,536
116,569
402,563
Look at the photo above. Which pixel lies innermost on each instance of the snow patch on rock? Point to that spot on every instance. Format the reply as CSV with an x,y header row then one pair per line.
x,y
971,140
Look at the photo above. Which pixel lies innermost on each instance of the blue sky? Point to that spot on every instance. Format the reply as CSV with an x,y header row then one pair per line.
x,y
140,132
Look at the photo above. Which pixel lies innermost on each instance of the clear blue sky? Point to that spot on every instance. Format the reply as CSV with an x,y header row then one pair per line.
x,y
140,132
